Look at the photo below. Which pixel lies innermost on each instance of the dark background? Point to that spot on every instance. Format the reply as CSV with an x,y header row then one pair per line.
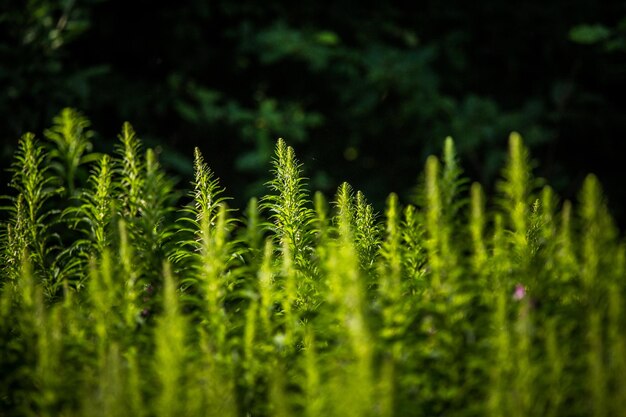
x,y
363,90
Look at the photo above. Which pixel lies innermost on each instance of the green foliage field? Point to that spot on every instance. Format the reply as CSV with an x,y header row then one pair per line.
x,y
123,296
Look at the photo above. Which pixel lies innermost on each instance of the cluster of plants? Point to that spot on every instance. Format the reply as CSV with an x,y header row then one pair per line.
x,y
122,296
333,81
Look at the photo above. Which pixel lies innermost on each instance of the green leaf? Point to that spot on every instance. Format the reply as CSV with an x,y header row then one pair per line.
x,y
589,34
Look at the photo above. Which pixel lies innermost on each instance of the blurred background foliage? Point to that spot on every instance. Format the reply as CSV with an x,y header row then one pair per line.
x,y
363,91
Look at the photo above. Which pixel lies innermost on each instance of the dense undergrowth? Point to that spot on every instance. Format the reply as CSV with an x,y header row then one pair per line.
x,y
122,297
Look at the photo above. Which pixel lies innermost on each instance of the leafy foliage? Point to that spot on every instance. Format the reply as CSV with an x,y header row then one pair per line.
x,y
71,137
460,305
372,92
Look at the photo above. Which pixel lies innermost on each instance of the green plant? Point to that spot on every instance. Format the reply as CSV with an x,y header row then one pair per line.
x,y
460,305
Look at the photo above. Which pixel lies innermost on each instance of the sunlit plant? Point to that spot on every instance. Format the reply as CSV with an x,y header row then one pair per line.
x,y
120,296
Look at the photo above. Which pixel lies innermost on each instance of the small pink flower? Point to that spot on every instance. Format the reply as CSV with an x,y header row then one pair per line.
x,y
520,292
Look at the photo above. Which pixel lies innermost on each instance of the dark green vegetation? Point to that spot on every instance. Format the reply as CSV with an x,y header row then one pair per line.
x,y
120,296
365,93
